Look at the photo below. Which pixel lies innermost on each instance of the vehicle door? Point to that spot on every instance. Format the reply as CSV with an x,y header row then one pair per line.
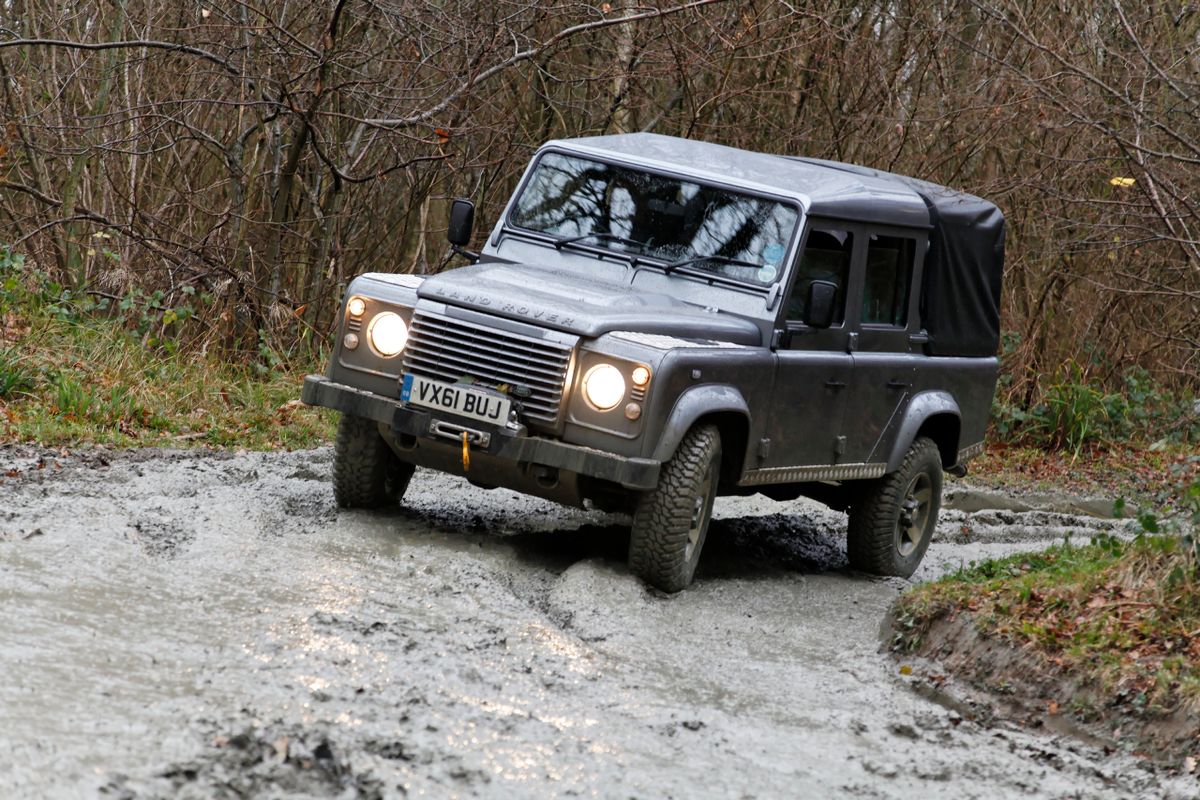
x,y
813,365
884,340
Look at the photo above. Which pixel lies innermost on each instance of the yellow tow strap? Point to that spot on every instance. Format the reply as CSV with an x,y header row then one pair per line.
x,y
466,453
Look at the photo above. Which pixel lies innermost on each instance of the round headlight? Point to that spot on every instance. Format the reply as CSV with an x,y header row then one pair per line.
x,y
604,386
387,334
356,306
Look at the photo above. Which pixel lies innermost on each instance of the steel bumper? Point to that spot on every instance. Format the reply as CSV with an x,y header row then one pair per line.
x,y
514,446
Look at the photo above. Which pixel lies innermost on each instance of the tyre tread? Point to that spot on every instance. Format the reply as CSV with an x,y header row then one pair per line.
x,y
658,542
366,474
869,537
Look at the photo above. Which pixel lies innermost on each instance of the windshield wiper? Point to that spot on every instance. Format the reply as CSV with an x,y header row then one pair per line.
x,y
683,262
608,237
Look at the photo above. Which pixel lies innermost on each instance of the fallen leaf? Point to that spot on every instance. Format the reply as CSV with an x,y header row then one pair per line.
x,y
1052,708
906,669
287,408
1189,764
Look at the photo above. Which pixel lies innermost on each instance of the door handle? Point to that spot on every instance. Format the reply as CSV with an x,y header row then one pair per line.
x,y
898,384
835,384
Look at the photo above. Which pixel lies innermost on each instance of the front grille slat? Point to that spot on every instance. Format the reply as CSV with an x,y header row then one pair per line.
x,y
476,369
449,350
479,340
445,349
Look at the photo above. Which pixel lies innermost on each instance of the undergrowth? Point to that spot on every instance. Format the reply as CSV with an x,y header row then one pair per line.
x,y
1074,411
74,371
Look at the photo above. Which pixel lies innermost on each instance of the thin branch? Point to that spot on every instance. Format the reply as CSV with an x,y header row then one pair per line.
x,y
525,55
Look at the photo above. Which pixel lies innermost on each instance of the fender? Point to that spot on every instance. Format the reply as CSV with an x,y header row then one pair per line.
x,y
920,409
693,404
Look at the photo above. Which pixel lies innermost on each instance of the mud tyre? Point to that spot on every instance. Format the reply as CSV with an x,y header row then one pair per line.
x,y
366,473
671,521
892,521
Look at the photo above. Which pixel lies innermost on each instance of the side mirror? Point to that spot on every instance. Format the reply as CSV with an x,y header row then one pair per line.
x,y
462,220
822,304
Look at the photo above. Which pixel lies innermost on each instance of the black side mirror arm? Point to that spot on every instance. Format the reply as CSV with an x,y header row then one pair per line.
x,y
465,253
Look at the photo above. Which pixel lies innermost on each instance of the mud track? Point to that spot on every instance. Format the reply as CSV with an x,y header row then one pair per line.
x,y
199,625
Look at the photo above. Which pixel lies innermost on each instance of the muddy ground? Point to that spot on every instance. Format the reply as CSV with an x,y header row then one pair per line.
x,y
211,625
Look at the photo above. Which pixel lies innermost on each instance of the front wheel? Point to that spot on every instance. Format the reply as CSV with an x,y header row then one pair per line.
x,y
892,521
366,473
671,520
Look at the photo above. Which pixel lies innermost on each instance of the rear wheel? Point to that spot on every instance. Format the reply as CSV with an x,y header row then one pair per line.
x,y
366,473
892,521
671,521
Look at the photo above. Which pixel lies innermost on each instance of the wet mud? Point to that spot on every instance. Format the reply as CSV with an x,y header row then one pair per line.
x,y
211,625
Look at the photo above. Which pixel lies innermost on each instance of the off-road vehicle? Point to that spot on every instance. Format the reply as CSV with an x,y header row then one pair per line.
x,y
653,322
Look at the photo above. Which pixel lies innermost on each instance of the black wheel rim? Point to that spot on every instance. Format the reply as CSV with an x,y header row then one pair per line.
x,y
916,506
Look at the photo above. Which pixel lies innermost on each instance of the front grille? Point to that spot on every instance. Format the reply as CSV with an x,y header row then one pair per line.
x,y
451,349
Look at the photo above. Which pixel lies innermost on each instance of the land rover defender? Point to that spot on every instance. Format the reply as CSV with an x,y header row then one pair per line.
x,y
653,322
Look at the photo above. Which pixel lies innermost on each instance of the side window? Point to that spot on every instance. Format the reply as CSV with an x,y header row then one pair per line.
x,y
826,257
888,280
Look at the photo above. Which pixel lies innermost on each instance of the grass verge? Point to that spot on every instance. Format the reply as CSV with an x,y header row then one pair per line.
x,y
90,380
1121,617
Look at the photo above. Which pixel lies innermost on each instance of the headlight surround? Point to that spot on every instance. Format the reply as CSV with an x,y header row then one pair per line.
x,y
388,334
604,387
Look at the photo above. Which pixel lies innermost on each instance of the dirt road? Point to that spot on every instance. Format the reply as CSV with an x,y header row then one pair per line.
x,y
200,625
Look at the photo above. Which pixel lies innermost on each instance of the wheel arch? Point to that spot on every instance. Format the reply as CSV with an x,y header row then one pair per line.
x,y
932,414
716,404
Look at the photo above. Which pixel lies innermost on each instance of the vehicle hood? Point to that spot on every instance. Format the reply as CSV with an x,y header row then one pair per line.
x,y
568,302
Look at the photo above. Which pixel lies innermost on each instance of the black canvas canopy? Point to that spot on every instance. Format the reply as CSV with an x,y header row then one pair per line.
x,y
960,300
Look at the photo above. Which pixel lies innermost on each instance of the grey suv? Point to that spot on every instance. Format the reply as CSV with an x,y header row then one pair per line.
x,y
654,321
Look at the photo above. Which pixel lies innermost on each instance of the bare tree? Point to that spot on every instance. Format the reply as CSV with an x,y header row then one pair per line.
x,y
259,154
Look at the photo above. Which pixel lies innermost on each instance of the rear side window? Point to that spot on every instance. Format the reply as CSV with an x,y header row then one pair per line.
x,y
826,257
888,280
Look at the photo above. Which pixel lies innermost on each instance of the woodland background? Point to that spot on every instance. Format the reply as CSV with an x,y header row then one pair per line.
x,y
214,173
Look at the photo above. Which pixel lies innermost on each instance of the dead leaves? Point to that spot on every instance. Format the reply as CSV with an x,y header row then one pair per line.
x,y
13,328
284,413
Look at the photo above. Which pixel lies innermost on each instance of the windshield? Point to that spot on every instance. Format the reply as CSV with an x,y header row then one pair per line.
x,y
656,216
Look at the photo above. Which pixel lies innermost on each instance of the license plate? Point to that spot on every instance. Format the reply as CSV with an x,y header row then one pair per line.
x,y
455,398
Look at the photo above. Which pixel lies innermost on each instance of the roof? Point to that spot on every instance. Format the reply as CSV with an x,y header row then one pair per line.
x,y
960,296
822,187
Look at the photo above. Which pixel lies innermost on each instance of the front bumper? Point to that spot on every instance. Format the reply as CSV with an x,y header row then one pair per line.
x,y
513,446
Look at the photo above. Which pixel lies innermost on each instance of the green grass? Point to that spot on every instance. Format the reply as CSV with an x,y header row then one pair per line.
x,y
1122,615
90,380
